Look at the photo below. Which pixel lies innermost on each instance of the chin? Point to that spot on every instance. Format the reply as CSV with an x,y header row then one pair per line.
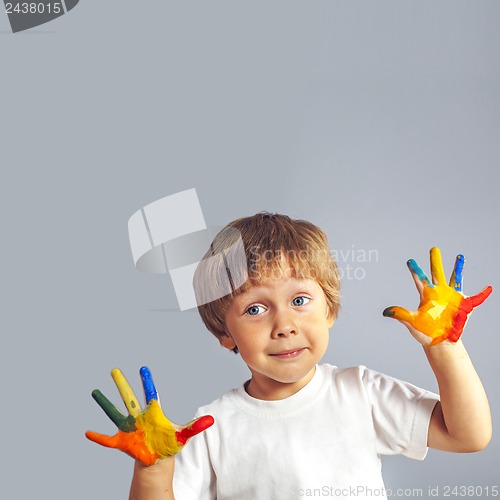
x,y
295,375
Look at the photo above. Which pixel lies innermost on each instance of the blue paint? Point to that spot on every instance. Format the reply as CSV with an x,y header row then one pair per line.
x,y
416,269
148,384
457,272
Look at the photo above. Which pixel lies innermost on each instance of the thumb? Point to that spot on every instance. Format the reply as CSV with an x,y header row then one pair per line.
x,y
102,439
399,313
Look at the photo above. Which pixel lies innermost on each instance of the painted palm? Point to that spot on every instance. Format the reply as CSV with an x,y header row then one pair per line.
x,y
145,434
443,309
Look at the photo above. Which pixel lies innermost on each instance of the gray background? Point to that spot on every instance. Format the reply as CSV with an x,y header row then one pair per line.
x,y
378,121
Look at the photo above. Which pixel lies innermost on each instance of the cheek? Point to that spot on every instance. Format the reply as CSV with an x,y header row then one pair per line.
x,y
250,346
322,332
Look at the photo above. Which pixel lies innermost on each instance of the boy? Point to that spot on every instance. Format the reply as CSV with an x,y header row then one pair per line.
x,y
297,426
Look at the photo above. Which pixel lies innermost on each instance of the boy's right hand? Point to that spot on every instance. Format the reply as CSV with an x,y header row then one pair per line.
x,y
146,435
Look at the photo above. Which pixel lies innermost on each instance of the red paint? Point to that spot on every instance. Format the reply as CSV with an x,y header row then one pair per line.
x,y
194,428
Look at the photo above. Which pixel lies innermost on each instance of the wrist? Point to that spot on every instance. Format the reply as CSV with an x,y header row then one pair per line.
x,y
447,357
445,348
159,467
153,481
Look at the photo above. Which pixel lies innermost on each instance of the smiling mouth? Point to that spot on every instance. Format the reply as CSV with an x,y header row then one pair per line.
x,y
292,353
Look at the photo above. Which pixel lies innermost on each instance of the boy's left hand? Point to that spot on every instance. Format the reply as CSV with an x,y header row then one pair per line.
x,y
443,309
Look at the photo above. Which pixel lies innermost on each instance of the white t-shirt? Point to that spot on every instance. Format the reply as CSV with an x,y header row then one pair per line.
x,y
323,441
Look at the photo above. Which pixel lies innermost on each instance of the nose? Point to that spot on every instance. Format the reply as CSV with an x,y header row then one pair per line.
x,y
284,325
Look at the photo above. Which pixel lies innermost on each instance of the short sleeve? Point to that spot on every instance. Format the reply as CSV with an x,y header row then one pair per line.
x,y
194,478
401,414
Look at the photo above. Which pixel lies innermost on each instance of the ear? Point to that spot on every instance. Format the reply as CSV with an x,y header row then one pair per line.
x,y
227,341
330,318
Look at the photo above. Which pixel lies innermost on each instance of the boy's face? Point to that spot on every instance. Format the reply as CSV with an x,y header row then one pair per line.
x,y
281,329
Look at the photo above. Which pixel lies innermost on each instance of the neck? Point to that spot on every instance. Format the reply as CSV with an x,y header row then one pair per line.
x,y
273,390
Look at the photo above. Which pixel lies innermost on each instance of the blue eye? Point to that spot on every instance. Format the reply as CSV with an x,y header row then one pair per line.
x,y
300,301
253,310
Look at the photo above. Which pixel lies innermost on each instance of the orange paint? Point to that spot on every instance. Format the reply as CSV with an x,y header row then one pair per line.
x,y
443,309
146,435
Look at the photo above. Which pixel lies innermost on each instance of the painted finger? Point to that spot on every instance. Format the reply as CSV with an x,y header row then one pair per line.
x,y
109,408
193,428
133,444
399,313
102,439
456,277
437,271
126,392
418,275
149,386
478,299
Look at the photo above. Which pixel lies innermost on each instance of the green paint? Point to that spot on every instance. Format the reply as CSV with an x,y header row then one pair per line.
x,y
125,424
129,424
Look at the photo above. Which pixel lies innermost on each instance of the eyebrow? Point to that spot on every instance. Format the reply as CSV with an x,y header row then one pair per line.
x,y
301,284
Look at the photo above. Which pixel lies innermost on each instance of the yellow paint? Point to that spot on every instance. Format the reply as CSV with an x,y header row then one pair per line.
x,y
159,432
437,311
443,311
147,435
437,267
126,392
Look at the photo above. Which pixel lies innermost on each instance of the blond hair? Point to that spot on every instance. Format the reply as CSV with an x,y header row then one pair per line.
x,y
270,241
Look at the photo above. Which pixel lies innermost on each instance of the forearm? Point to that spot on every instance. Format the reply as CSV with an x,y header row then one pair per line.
x,y
465,409
153,482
